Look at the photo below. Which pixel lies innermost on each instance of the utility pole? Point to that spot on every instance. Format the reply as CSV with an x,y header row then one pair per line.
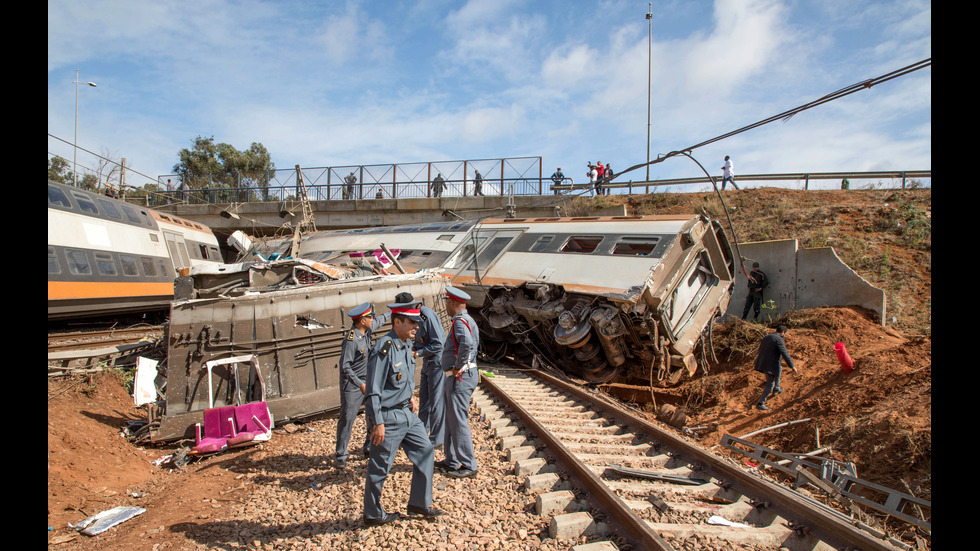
x,y
649,64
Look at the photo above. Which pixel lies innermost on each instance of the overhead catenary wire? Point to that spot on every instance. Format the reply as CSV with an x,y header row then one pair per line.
x,y
786,115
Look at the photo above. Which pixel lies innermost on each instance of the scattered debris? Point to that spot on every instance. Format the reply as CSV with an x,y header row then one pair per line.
x,y
98,523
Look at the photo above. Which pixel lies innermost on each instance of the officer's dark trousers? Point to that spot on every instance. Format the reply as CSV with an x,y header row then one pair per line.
x,y
459,439
350,402
402,429
432,402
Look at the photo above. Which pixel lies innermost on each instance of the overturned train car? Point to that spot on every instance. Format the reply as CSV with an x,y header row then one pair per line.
x,y
272,330
610,299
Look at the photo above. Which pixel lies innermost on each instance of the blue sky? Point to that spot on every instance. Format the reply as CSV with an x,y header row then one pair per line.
x,y
356,82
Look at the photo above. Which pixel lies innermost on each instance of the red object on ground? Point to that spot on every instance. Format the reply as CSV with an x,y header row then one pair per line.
x,y
845,359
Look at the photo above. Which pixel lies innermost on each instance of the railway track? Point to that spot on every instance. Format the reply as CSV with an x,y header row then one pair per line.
x,y
653,488
85,339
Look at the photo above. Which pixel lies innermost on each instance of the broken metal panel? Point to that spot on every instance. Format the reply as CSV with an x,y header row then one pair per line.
x,y
295,334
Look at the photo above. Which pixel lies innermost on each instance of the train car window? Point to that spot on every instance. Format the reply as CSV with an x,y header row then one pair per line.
x,y
635,246
581,244
148,268
53,266
213,254
78,262
85,203
128,265
131,214
57,198
541,243
468,252
110,209
490,252
105,264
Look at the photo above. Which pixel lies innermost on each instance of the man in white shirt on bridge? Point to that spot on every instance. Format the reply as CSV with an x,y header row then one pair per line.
x,y
728,173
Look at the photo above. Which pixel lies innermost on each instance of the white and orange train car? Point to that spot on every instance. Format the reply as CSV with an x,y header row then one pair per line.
x,y
106,256
605,297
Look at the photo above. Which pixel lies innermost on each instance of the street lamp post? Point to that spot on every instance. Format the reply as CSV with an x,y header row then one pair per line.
x,y
74,161
649,63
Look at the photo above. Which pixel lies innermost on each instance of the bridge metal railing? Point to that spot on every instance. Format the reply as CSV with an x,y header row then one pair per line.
x,y
901,177
500,177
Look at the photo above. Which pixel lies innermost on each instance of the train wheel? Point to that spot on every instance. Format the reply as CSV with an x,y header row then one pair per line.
x,y
601,376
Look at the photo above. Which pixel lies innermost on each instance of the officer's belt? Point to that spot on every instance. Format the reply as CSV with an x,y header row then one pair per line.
x,y
466,366
402,405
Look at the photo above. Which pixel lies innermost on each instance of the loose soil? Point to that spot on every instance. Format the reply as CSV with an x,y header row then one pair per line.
x,y
878,416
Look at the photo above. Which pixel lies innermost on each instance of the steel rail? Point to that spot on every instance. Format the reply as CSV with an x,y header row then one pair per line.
x,y
634,528
832,528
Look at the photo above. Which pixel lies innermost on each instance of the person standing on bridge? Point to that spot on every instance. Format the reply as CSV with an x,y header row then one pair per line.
x,y
438,184
772,350
557,178
609,176
478,184
349,182
728,173
462,376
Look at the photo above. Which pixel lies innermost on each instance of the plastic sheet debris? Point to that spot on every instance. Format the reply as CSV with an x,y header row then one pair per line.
x,y
715,519
98,523
144,388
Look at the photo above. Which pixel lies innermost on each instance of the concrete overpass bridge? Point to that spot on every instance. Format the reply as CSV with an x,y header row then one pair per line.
x,y
266,218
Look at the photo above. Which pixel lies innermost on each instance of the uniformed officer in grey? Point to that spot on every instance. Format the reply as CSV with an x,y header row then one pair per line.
x,y
462,376
392,408
353,367
428,344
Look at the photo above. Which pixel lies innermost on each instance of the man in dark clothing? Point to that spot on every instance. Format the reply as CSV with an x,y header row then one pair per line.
x,y
757,282
772,350
557,178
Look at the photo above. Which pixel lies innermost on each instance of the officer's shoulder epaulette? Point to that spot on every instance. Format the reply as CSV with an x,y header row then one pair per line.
x,y
385,347
350,336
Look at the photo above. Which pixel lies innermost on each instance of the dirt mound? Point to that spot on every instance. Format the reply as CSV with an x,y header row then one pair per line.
x,y
877,416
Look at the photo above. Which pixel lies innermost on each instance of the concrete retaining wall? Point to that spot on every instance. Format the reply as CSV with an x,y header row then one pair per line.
x,y
803,278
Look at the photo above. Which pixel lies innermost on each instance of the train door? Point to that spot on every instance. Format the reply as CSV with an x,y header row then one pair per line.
x,y
178,250
687,296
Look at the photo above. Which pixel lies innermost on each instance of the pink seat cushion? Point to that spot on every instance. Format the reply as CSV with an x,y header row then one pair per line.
x,y
247,419
217,430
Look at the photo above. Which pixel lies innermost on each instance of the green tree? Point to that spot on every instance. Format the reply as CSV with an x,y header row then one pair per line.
x,y
220,165
58,170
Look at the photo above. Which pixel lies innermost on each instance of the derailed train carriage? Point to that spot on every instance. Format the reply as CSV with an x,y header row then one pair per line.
x,y
606,298
623,298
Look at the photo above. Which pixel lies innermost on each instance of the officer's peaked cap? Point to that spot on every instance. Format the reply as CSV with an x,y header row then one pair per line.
x,y
361,311
408,309
457,295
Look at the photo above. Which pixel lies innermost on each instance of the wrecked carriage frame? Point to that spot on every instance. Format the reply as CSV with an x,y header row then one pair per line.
x,y
295,335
